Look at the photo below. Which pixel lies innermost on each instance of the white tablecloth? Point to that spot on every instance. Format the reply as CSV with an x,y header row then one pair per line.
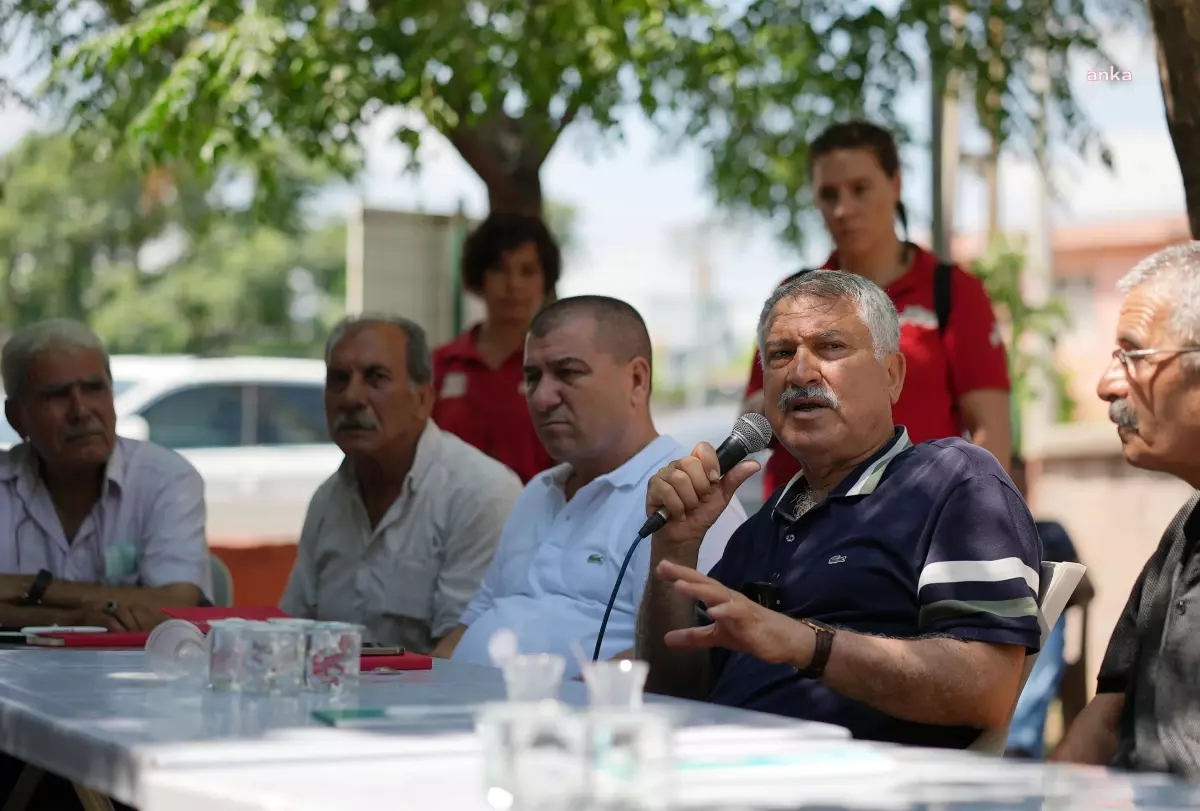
x,y
100,719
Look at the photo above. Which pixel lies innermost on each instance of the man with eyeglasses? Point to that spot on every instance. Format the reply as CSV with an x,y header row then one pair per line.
x,y
1146,710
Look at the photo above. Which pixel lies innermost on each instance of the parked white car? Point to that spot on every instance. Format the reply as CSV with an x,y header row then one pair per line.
x,y
253,427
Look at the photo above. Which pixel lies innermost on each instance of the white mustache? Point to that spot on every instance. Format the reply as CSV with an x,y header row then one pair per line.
x,y
1120,412
354,421
818,393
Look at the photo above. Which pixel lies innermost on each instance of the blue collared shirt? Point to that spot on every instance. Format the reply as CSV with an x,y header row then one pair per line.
x,y
558,560
932,539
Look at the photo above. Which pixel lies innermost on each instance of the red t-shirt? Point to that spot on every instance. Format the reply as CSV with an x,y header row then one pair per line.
x,y
967,357
486,407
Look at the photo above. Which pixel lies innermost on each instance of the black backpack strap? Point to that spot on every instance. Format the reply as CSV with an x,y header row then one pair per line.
x,y
941,294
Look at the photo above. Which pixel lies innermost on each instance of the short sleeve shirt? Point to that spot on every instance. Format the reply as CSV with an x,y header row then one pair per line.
x,y
922,540
408,579
1153,657
968,356
559,559
486,407
146,530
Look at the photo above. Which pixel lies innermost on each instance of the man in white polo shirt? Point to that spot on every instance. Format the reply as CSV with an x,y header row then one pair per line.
x,y
94,529
587,373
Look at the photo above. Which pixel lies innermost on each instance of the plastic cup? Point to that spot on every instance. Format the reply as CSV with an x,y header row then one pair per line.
x,y
618,683
273,663
535,756
226,651
333,658
176,650
535,677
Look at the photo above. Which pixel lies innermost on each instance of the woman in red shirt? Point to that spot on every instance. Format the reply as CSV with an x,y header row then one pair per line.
x,y
512,263
957,377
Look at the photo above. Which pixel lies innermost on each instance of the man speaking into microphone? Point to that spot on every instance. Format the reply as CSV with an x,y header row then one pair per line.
x,y
888,588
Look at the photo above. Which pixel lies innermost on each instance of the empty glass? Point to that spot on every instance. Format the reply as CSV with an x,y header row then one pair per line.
x,y
533,756
536,677
226,652
616,683
274,659
334,656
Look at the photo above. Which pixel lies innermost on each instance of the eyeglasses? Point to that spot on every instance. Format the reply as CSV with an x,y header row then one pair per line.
x,y
1127,355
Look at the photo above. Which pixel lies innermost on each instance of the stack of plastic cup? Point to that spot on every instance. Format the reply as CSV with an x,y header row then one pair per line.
x,y
176,650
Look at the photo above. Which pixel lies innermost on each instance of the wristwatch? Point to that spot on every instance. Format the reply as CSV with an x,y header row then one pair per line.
x,y
37,590
824,645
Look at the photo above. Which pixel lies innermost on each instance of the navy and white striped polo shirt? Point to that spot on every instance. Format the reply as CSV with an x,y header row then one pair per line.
x,y
931,539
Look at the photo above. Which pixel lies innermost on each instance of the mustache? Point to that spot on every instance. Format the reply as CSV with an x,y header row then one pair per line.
x,y
354,421
1120,412
821,394
87,429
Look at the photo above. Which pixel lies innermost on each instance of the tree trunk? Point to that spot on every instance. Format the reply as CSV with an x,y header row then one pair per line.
x,y
518,192
1177,28
508,157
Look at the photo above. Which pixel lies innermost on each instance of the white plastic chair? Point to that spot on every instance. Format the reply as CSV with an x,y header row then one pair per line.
x,y
1058,583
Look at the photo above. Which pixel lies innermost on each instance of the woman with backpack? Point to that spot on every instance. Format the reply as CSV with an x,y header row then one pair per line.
x,y
957,374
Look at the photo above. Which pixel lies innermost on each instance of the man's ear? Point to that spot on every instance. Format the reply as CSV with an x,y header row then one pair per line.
x,y
640,376
426,397
897,366
13,415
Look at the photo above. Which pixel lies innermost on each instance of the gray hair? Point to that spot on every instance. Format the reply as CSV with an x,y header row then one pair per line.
x,y
418,358
1175,272
28,342
874,307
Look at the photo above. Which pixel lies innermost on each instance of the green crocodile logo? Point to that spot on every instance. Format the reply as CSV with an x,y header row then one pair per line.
x,y
595,558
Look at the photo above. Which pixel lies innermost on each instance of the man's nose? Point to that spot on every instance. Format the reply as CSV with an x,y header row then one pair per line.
x,y
542,395
75,403
802,371
355,393
1114,383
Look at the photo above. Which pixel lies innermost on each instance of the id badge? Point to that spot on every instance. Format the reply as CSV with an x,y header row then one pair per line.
x,y
120,562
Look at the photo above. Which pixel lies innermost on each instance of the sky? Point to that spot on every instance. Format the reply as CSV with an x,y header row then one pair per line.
x,y
641,209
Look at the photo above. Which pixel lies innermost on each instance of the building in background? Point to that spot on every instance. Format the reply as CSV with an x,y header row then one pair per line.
x,y
1078,475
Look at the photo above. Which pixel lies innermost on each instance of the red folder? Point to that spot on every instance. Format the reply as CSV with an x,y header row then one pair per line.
x,y
405,661
118,639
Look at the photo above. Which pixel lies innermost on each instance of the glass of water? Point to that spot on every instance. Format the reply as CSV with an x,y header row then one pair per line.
x,y
334,657
534,756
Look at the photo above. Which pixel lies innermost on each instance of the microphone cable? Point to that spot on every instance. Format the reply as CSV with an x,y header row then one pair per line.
x,y
613,599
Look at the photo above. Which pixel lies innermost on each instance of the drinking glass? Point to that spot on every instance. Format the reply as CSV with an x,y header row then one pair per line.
x,y
533,756
334,657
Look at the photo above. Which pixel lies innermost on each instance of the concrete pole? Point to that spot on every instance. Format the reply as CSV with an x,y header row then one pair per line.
x,y
1038,280
945,152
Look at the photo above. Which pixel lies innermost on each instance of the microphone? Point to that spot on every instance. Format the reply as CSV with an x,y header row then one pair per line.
x,y
751,434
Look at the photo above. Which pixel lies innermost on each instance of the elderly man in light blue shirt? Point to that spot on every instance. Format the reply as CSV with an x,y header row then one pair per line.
x,y
94,529
587,374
